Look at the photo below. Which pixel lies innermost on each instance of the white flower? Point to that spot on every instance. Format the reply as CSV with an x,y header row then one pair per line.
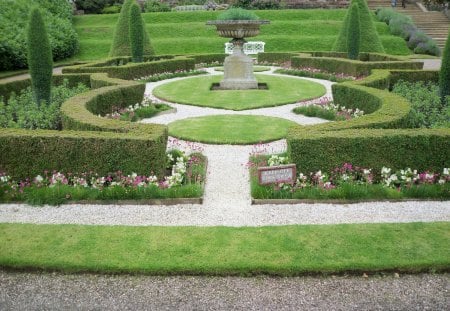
x,y
38,179
385,171
446,171
441,181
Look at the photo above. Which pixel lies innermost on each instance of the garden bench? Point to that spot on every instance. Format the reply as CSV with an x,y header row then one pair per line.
x,y
251,47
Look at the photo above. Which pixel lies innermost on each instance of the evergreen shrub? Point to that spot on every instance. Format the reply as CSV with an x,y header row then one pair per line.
x,y
444,74
353,33
39,58
136,28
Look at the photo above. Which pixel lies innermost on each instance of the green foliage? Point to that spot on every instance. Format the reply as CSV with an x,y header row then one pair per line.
x,y
235,14
121,45
156,6
353,32
113,9
370,41
21,111
136,28
427,109
95,6
444,74
39,58
271,250
14,16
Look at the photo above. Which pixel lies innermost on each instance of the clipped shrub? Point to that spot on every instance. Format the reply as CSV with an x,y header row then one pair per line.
x,y
156,6
234,14
370,41
121,41
14,15
353,33
444,74
266,4
136,33
39,58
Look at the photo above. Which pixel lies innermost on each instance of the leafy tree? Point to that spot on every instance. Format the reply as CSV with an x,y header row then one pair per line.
x,y
444,74
353,32
40,59
94,6
136,33
369,39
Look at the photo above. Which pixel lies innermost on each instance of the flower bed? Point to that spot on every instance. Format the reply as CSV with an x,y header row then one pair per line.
x,y
146,109
185,180
170,75
350,182
329,111
317,74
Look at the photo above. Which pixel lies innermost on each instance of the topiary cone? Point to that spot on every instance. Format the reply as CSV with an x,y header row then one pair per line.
x,y
121,45
369,39
353,32
39,56
136,34
444,74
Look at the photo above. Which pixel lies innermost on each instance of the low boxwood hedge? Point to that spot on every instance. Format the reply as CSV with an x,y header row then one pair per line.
x,y
350,67
123,68
376,139
115,145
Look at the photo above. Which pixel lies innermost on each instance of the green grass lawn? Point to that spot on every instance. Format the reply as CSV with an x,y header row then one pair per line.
x,y
196,91
186,32
279,250
230,129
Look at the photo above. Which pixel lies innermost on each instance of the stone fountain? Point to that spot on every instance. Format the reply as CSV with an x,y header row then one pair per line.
x,y
238,67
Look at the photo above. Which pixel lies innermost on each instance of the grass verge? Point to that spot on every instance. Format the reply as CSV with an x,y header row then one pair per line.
x,y
230,129
281,250
196,91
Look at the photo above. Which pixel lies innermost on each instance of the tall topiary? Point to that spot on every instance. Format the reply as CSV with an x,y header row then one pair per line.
x,y
121,42
136,33
353,32
40,61
369,39
444,74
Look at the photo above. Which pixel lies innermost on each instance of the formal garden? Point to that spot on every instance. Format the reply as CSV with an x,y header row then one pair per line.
x,y
150,111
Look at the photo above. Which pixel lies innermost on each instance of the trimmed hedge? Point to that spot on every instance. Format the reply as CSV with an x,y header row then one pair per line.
x,y
116,145
276,58
129,71
353,32
376,139
350,67
208,58
425,149
16,86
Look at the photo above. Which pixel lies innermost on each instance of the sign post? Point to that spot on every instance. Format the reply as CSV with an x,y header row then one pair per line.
x,y
277,174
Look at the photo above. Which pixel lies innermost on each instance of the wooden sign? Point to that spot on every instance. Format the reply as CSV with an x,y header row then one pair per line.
x,y
277,174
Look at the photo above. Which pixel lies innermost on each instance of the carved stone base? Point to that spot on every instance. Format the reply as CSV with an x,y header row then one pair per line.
x,y
238,72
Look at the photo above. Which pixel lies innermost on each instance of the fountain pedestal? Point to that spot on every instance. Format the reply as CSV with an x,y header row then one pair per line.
x,y
238,67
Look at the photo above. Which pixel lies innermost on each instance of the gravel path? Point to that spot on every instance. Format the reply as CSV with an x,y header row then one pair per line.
x,y
227,200
35,291
56,70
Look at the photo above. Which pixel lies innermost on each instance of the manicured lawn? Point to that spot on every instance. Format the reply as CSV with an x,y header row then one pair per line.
x,y
186,32
196,91
230,129
280,250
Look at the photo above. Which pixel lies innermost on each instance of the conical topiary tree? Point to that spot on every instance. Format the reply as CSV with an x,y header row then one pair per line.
x,y
369,39
353,32
40,61
121,41
444,74
136,33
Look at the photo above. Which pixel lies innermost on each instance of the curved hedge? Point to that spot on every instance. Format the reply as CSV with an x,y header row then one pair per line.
x,y
376,139
87,142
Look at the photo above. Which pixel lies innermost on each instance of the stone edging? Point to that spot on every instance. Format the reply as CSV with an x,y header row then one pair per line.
x,y
333,201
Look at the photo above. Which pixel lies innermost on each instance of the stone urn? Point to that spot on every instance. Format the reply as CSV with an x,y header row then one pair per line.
x,y
238,67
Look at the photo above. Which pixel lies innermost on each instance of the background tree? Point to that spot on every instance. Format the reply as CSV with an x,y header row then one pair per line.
x,y
40,61
136,34
444,74
353,32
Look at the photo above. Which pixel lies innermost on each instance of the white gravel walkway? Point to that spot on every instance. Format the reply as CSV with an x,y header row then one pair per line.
x,y
227,199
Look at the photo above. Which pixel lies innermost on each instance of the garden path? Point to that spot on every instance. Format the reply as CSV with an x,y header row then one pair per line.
x,y
227,199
